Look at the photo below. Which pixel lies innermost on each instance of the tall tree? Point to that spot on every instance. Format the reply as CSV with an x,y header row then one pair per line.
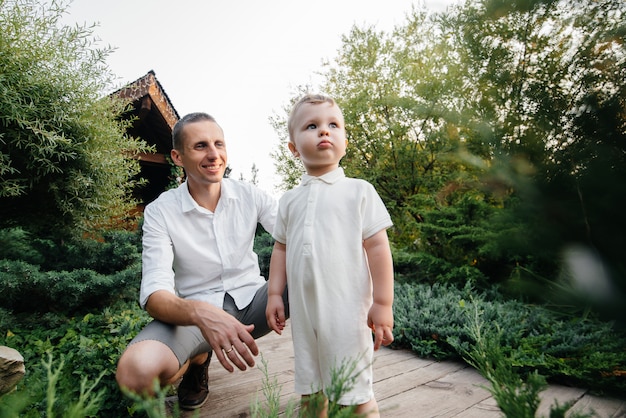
x,y
65,161
550,79
514,109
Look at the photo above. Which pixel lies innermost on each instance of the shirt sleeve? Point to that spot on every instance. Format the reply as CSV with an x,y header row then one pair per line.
x,y
375,214
280,232
157,256
267,210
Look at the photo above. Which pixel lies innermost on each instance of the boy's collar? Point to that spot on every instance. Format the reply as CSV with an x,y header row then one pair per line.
x,y
329,178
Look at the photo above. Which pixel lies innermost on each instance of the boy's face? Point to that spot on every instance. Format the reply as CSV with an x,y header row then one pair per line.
x,y
203,153
319,137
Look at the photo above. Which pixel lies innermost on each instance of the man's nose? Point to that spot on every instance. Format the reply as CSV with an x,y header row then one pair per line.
x,y
211,151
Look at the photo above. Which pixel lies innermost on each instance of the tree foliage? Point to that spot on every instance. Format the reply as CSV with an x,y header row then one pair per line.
x,y
494,131
549,78
65,160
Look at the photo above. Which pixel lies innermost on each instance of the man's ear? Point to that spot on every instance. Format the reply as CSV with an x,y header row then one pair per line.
x,y
175,154
292,148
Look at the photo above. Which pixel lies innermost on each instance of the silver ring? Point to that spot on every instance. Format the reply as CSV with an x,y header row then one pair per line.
x,y
229,350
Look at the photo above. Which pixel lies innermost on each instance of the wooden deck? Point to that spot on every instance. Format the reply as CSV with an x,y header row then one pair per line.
x,y
405,386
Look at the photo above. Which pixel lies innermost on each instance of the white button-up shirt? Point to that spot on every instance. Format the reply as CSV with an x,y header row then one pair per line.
x,y
201,255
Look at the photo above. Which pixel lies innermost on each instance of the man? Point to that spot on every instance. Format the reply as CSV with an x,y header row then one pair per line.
x,y
200,281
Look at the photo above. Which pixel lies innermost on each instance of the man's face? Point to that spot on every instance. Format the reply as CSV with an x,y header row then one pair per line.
x,y
203,153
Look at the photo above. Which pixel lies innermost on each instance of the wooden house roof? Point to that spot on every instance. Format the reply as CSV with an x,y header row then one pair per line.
x,y
155,115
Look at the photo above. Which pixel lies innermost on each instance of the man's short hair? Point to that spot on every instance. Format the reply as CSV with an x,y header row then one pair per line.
x,y
177,132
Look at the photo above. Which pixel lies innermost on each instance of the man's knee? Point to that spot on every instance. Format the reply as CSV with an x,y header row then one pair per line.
x,y
144,362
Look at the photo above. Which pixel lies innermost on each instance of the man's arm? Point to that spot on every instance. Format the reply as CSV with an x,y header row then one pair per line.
x,y
380,316
221,330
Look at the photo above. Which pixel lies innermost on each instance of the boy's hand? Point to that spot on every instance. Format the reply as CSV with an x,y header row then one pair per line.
x,y
275,313
380,320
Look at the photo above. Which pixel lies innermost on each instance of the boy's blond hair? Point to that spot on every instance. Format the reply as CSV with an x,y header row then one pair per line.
x,y
310,99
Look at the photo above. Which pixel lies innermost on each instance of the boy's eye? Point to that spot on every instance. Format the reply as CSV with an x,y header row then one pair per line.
x,y
311,126
333,125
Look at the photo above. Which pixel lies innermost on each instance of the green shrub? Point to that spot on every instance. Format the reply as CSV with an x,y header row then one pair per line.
x,y
342,380
17,244
422,267
585,352
111,252
27,289
89,345
79,274
56,400
263,246
517,394
66,160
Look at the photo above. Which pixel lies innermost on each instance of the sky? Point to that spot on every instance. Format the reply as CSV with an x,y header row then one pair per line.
x,y
238,60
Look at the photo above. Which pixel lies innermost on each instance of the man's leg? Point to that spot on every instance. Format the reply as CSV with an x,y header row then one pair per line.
x,y
161,351
144,361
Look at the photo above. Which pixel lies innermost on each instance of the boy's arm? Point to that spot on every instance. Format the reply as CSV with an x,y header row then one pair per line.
x,y
380,316
275,311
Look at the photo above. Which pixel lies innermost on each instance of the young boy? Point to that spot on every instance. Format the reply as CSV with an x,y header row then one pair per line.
x,y
332,250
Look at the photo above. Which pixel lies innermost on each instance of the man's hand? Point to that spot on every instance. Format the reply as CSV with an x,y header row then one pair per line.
x,y
231,340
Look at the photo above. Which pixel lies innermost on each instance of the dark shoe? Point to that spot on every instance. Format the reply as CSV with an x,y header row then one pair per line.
x,y
193,390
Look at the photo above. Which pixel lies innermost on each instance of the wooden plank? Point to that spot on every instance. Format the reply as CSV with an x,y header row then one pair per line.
x,y
405,386
485,409
560,394
405,382
449,396
602,407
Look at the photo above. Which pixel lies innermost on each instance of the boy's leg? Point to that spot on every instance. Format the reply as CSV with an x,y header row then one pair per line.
x,y
368,409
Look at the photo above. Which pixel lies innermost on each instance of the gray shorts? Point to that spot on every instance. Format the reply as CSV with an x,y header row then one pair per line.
x,y
187,341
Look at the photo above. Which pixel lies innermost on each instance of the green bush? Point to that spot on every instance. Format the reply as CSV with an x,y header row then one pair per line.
x,y
26,289
517,394
263,246
111,252
424,268
79,274
18,244
89,346
66,161
432,321
87,317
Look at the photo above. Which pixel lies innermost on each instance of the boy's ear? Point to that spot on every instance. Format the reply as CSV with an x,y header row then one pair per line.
x,y
292,148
